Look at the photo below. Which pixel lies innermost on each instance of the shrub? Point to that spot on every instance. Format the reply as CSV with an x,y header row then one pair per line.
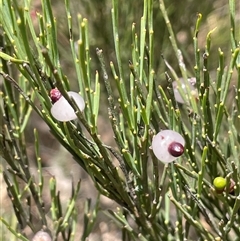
x,y
142,74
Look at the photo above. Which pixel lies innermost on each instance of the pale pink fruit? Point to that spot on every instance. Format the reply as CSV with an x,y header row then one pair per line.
x,y
63,111
168,145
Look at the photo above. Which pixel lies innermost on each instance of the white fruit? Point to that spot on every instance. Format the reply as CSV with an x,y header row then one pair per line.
x,y
181,85
163,142
63,111
41,236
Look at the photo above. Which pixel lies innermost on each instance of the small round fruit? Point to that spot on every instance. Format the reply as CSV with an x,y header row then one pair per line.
x,y
219,183
42,236
63,111
168,145
180,84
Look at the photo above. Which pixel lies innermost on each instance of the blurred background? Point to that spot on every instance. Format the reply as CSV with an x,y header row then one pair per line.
x,y
55,160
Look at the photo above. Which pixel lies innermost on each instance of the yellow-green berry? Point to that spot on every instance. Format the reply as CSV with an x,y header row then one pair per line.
x,y
219,183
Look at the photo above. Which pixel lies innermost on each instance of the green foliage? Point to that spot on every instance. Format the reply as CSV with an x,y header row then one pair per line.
x,y
177,201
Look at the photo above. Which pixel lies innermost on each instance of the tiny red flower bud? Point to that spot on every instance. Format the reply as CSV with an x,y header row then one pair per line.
x,y
55,95
176,149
